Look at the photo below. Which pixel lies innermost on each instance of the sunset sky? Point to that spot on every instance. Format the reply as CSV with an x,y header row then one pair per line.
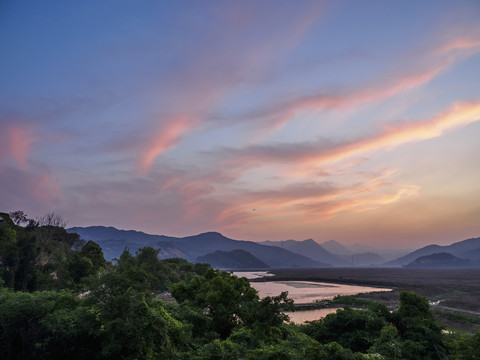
x,y
357,121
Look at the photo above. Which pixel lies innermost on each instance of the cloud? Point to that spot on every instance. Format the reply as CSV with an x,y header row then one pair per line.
x,y
16,141
309,203
33,188
194,89
167,135
311,155
427,64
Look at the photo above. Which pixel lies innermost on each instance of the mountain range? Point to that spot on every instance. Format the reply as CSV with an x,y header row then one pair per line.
x,y
114,241
467,249
234,260
223,252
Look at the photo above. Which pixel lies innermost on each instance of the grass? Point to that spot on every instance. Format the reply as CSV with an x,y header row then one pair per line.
x,y
349,300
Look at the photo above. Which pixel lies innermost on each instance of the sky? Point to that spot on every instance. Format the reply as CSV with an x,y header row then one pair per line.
x,y
354,121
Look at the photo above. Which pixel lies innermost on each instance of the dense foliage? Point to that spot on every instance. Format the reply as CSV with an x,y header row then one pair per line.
x,y
61,299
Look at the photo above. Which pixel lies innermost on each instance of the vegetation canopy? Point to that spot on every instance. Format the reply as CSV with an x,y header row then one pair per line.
x,y
60,298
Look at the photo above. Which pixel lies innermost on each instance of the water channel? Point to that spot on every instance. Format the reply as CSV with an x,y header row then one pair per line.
x,y
305,292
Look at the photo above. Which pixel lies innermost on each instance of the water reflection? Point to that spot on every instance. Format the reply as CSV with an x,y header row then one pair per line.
x,y
252,274
304,292
299,317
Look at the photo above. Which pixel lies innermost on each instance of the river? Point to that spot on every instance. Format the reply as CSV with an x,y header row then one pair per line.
x,y
305,292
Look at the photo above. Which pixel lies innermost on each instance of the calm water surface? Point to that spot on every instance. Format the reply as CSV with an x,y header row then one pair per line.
x,y
299,317
305,292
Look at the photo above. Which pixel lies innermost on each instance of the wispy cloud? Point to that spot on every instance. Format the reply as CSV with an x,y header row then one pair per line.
x,y
311,155
307,203
226,61
426,65
168,135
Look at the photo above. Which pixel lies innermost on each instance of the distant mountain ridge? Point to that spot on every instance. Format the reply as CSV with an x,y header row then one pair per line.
x,y
114,241
232,260
275,254
439,261
336,248
309,248
467,249
317,252
361,255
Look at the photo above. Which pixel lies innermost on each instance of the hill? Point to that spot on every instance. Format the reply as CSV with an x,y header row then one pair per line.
x,y
114,241
439,260
467,249
232,260
311,249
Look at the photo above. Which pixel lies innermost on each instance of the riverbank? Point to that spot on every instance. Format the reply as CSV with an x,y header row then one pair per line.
x,y
453,293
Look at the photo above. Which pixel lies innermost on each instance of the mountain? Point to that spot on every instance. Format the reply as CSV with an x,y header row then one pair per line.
x,y
361,255
310,249
466,249
232,260
336,248
317,252
440,260
114,241
473,254
363,259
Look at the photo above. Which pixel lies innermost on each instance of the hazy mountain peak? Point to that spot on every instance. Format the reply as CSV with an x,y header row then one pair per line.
x,y
335,248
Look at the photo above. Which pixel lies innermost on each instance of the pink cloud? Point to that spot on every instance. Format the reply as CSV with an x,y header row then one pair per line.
x,y
306,157
428,65
204,85
166,136
16,142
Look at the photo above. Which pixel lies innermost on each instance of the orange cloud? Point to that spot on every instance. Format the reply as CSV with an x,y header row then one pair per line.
x,y
293,208
305,157
459,115
310,204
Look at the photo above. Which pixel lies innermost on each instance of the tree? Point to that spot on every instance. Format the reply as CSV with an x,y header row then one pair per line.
x,y
229,302
52,219
225,298
18,217
352,329
387,344
466,347
91,250
419,330
47,231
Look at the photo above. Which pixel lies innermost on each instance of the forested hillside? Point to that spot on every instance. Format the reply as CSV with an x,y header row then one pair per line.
x,y
59,298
